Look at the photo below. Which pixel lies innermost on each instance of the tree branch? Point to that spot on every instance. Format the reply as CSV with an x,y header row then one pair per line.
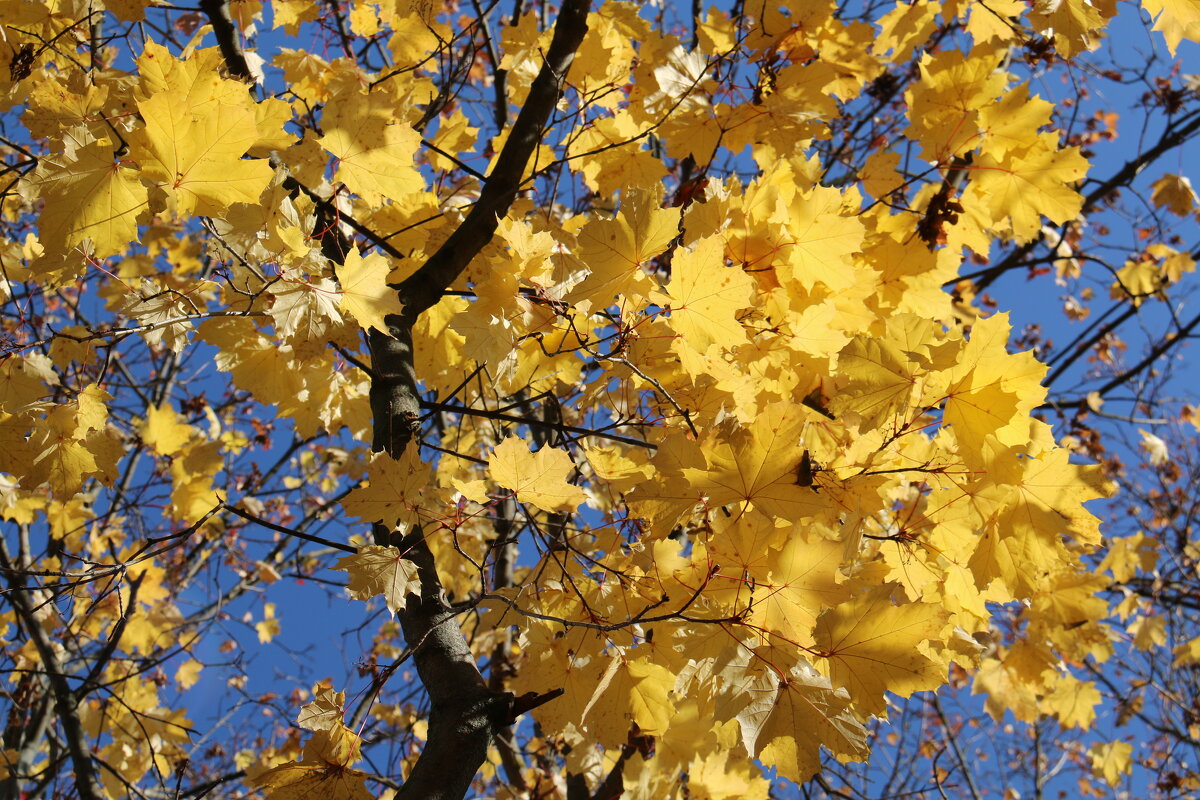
x,y
465,714
87,783
226,32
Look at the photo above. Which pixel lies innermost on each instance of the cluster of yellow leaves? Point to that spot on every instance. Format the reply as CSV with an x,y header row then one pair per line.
x,y
836,477
324,769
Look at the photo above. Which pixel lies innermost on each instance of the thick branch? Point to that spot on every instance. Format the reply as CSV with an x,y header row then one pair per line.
x,y
226,32
394,396
424,288
465,713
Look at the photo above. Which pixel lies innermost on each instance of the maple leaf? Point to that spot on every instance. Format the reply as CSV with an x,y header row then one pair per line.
x,y
1128,554
306,312
823,237
59,459
803,582
376,571
374,151
165,431
1048,493
990,391
539,478
324,771
1074,24
366,295
324,712
196,158
1072,702
188,674
1175,192
1176,19
944,106
1008,123
89,197
878,380
1030,182
164,312
629,690
792,716
616,250
870,646
1112,760
192,473
759,467
393,493
704,296
268,627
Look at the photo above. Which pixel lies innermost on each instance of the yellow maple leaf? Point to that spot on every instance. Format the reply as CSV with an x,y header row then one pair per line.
x,y
324,771
366,295
712,777
1176,19
192,471
1046,496
905,27
1009,122
1175,192
944,106
268,627
58,103
616,250
306,312
1111,760
803,583
89,197
164,430
188,673
758,466
629,690
870,646
374,151
878,381
539,478
792,716
1027,184
325,711
991,391
822,237
376,570
1075,25
289,14
393,493
60,456
705,295
1072,702
1186,654
615,155
195,154
91,409
1128,554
